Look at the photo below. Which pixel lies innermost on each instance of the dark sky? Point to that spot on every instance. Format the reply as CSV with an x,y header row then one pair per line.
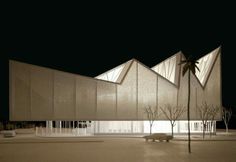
x,y
89,43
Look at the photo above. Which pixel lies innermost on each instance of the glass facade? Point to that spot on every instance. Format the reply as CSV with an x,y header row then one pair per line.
x,y
88,128
66,128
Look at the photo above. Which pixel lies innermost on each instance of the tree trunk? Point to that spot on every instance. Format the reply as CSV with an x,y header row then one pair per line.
x,y
150,129
226,127
188,113
172,130
211,129
204,129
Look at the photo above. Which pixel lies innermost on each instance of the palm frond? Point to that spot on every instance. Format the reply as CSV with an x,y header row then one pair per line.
x,y
182,62
192,68
185,69
197,68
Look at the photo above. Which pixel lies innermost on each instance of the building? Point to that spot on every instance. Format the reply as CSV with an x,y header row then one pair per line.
x,y
114,101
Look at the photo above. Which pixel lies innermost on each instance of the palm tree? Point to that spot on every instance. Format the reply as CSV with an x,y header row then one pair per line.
x,y
189,66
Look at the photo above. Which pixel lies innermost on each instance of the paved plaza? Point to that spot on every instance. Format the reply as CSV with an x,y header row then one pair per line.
x,y
116,149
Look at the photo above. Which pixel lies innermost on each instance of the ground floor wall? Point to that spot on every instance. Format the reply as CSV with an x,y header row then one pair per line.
x,y
81,128
144,127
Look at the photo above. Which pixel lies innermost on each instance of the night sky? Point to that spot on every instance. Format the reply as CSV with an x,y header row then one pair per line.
x,y
90,44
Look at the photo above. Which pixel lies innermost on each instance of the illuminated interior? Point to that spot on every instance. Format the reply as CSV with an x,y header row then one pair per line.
x,y
88,128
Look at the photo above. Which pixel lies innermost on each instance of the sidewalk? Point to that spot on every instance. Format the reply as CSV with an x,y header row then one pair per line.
x,y
221,135
31,138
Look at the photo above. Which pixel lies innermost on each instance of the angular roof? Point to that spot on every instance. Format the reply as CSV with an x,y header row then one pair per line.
x,y
116,74
205,65
168,69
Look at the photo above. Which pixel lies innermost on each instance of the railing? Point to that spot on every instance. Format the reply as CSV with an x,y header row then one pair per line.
x,y
63,132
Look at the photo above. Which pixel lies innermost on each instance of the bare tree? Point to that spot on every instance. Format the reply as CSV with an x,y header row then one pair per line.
x,y
226,115
213,112
204,113
152,115
172,113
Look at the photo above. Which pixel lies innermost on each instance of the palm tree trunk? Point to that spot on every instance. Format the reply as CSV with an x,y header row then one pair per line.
x,y
188,113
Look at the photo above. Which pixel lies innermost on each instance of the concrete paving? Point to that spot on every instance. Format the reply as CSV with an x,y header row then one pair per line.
x,y
115,149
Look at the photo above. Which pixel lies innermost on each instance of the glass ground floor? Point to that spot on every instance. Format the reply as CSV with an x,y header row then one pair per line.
x,y
88,128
